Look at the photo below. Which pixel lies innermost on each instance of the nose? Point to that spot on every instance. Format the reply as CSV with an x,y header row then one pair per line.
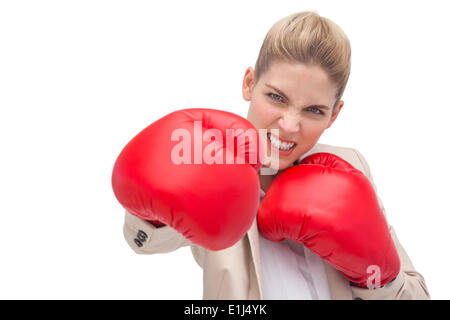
x,y
289,121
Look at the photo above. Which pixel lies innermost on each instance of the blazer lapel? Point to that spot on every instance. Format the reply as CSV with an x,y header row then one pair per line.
x,y
338,285
253,235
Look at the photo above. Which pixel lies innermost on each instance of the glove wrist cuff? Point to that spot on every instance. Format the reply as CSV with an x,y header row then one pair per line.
x,y
363,285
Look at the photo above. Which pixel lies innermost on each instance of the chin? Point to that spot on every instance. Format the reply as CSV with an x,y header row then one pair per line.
x,y
286,164
282,164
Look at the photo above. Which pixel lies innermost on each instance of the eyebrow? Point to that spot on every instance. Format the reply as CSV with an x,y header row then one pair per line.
x,y
286,97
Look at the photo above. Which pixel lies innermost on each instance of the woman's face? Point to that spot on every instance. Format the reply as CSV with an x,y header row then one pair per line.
x,y
296,99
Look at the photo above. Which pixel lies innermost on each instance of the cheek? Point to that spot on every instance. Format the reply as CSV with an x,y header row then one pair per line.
x,y
311,130
262,113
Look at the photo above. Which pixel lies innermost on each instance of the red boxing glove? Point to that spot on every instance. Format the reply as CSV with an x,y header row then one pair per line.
x,y
332,209
204,184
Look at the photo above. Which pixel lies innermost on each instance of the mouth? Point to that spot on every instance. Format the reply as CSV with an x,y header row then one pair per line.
x,y
284,147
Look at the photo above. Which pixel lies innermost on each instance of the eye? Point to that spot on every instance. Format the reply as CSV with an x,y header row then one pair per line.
x,y
276,97
315,110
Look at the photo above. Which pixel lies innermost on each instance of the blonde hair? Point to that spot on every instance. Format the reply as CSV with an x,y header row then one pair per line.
x,y
308,38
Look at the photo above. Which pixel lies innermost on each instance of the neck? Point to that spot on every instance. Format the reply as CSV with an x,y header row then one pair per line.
x,y
266,180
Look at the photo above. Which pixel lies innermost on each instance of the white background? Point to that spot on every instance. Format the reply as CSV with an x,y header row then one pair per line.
x,y
78,79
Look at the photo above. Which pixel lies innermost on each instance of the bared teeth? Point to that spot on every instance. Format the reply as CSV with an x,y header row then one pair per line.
x,y
280,145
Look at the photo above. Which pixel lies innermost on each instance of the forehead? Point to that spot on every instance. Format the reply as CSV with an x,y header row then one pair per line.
x,y
300,81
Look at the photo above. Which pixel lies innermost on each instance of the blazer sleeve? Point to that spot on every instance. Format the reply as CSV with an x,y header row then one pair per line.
x,y
409,283
145,238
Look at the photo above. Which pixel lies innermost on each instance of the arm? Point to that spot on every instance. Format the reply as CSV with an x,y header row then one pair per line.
x,y
145,238
409,283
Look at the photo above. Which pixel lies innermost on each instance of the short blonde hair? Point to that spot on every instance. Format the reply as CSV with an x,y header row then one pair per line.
x,y
308,38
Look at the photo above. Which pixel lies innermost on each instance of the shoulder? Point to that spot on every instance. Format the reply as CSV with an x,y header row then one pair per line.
x,y
351,155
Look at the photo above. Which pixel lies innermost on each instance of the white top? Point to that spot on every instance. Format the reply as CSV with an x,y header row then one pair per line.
x,y
290,271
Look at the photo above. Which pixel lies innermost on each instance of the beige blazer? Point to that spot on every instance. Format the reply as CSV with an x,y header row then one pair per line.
x,y
235,272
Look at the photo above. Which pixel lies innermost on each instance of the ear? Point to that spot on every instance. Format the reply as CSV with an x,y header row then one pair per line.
x,y
247,85
335,113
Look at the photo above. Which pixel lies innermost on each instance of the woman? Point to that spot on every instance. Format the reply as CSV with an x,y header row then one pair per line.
x,y
296,89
